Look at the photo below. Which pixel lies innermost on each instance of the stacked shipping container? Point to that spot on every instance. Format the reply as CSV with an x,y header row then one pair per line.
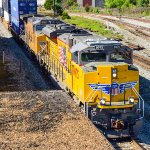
x,y
13,10
20,8
87,2
1,9
6,7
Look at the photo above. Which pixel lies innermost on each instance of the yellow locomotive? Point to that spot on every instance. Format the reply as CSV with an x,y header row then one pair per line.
x,y
96,71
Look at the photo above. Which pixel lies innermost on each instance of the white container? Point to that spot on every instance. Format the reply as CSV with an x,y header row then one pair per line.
x,y
40,2
6,16
1,3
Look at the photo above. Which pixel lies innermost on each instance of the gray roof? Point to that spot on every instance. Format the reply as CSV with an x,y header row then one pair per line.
x,y
56,30
78,47
86,43
47,19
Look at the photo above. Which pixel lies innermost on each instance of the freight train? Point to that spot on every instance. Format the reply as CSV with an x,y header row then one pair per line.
x,y
97,72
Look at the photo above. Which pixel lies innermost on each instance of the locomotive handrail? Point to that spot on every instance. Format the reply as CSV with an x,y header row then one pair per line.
x,y
90,94
139,101
86,103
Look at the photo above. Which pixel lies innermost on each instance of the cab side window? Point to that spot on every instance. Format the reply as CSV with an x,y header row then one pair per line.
x,y
75,57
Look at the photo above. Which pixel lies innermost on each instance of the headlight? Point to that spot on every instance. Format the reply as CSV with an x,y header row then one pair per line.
x,y
114,73
131,99
102,101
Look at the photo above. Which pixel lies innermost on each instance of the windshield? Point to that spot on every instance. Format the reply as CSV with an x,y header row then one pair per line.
x,y
120,56
93,56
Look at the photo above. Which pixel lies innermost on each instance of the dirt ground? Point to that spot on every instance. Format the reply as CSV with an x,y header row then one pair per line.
x,y
45,120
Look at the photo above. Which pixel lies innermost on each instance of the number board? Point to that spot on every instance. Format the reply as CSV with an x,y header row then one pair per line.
x,y
117,46
99,47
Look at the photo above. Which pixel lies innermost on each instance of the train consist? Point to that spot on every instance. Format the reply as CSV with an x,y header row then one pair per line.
x,y
96,71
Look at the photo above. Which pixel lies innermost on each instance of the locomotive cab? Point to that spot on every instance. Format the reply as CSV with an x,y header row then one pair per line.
x,y
103,53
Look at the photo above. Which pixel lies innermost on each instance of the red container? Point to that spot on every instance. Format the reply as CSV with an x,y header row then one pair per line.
x,y
87,2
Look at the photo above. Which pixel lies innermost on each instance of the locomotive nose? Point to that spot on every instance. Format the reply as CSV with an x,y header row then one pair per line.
x,y
117,82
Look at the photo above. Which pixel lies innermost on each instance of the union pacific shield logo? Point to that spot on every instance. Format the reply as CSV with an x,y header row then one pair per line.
x,y
114,88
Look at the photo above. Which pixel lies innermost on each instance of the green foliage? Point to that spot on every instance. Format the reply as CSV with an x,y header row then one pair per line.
x,y
59,9
96,10
48,4
125,3
93,25
70,4
142,3
87,8
65,16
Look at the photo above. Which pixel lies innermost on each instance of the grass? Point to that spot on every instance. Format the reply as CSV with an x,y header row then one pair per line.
x,y
129,12
94,26
43,11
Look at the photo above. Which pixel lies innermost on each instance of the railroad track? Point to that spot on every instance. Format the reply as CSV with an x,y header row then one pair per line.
x,y
141,61
134,29
127,144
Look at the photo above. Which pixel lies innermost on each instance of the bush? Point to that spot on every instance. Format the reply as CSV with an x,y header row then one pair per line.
x,y
65,16
126,3
96,10
87,8
48,4
59,9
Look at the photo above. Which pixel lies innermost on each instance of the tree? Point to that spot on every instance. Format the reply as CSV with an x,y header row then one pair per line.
x,y
65,16
68,3
48,4
87,8
125,3
142,3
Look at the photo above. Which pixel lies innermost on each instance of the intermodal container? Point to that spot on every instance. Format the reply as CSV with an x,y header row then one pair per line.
x,y
1,9
7,16
6,5
20,8
87,2
32,6
17,25
1,12
1,4
23,7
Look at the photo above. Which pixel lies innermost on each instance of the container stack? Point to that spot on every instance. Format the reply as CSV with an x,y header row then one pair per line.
x,y
6,12
19,8
1,9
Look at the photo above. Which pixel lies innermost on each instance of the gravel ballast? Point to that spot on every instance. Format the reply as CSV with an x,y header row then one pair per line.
x,y
46,120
